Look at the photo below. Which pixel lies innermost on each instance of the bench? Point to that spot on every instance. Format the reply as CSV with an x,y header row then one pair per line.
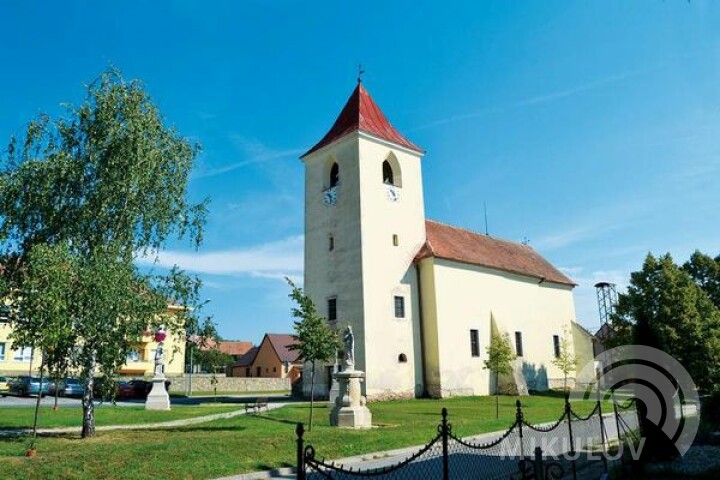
x,y
257,406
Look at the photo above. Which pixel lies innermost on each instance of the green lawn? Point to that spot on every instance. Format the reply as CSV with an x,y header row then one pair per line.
x,y
249,443
22,417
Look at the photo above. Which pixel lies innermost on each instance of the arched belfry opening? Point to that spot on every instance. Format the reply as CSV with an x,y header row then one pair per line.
x,y
391,172
334,175
388,175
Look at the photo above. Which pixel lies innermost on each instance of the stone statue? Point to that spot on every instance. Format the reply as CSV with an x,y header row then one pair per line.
x,y
349,341
159,360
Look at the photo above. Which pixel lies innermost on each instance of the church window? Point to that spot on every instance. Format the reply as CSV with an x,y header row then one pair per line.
x,y
388,174
258,371
556,345
399,307
518,344
247,372
331,243
332,309
402,358
396,240
334,175
474,343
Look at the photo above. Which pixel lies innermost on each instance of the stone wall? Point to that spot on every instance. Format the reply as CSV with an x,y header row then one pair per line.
x,y
202,383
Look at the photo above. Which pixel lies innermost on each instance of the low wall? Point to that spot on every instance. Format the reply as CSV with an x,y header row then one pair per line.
x,y
202,383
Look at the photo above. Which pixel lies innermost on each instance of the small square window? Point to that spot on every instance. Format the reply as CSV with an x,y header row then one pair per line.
x,y
474,343
399,307
396,240
332,309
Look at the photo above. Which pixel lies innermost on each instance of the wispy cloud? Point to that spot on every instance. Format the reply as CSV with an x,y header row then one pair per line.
x,y
268,260
252,152
538,99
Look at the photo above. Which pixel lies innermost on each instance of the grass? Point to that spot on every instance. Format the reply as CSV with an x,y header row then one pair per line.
x,y
22,417
257,442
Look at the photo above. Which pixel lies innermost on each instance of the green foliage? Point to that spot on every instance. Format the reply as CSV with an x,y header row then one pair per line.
x,y
566,361
80,197
666,308
500,355
705,271
317,342
212,359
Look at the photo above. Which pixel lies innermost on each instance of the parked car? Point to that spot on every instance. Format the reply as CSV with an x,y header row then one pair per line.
x,y
25,386
3,386
126,390
143,387
70,387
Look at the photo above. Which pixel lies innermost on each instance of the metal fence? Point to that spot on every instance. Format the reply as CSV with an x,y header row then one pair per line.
x,y
524,451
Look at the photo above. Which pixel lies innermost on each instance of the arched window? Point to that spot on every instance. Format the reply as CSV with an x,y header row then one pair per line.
x,y
402,358
388,174
334,174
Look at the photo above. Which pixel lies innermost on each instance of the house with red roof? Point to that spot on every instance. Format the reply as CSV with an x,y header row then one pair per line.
x,y
424,298
273,358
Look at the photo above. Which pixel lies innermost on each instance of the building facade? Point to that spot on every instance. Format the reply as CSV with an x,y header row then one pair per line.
x,y
140,360
273,358
423,298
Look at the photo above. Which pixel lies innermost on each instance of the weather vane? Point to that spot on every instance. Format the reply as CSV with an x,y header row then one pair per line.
x,y
361,70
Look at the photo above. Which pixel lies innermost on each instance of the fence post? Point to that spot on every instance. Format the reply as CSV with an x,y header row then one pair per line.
x,y
602,435
539,470
568,413
445,432
519,422
300,431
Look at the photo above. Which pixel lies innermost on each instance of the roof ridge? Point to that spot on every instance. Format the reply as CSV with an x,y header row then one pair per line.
x,y
465,229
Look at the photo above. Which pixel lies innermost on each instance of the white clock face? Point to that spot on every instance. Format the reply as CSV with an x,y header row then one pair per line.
x,y
393,193
330,196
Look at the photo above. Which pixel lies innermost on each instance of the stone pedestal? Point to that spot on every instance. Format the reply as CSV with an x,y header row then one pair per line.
x,y
158,398
350,410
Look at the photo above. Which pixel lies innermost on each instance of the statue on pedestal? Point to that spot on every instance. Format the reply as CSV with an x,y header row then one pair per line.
x,y
158,397
349,341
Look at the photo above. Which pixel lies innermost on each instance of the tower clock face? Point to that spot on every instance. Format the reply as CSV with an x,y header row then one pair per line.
x,y
330,196
393,193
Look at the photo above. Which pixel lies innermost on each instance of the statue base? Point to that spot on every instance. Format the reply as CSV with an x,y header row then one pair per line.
x,y
350,410
158,398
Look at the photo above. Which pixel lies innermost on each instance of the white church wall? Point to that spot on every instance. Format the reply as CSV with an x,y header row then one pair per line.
x,y
335,273
388,269
467,295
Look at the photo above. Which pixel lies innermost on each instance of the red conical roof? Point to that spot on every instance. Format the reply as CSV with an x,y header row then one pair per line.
x,y
362,113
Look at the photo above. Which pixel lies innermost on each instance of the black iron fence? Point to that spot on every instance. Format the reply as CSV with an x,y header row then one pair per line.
x,y
524,451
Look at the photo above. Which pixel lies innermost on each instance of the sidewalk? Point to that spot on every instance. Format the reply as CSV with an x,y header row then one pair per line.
x,y
138,426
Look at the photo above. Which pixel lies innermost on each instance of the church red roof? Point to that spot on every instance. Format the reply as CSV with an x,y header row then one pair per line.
x,y
361,113
460,245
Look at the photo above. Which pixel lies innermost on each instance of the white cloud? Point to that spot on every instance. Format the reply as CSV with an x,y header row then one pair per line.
x,y
268,260
252,152
538,99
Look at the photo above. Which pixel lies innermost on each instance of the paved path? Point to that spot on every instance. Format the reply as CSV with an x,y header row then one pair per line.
x,y
138,426
391,457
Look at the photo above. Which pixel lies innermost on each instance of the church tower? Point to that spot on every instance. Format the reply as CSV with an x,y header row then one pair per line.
x,y
364,224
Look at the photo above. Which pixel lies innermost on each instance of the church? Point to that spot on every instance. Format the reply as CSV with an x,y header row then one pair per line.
x,y
423,298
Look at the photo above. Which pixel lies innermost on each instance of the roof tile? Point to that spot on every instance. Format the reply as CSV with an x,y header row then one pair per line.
x,y
453,243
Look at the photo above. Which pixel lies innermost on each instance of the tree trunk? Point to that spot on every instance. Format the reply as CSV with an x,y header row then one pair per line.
x,y
88,403
312,395
497,396
39,397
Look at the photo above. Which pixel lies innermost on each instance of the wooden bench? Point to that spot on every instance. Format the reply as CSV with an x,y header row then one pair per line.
x,y
257,406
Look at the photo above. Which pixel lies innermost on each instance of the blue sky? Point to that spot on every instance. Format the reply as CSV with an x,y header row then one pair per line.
x,y
591,128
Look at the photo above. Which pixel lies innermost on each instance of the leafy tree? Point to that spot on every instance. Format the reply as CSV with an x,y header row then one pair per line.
x,y
705,271
210,359
499,361
666,309
317,342
566,361
106,182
